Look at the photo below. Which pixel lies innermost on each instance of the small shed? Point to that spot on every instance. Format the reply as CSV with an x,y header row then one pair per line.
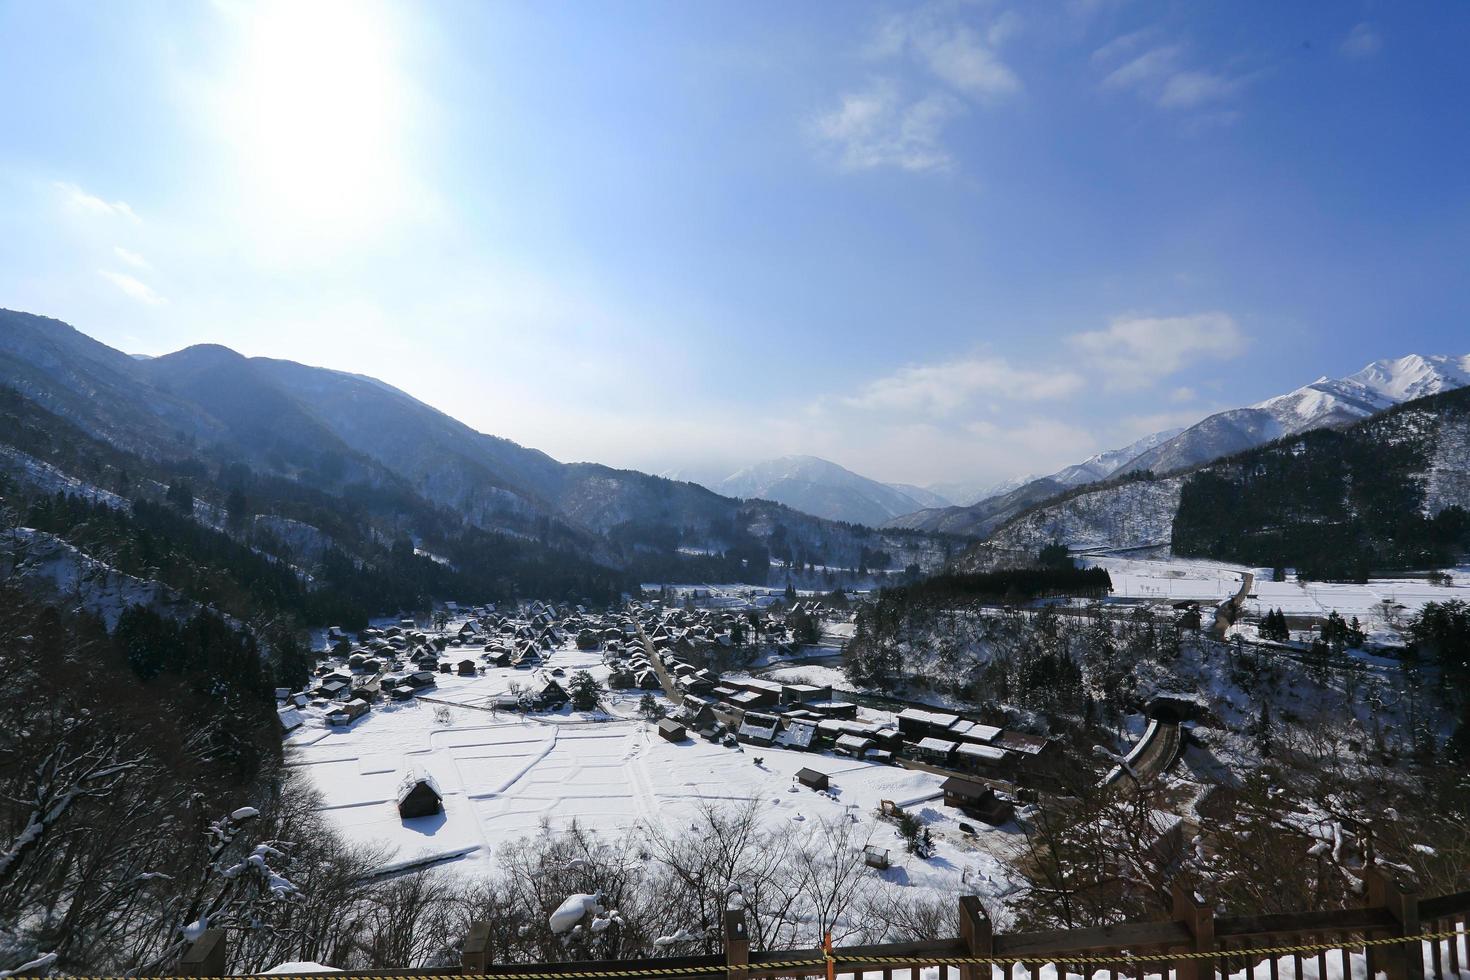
x,y
875,856
671,731
812,779
976,799
467,668
418,796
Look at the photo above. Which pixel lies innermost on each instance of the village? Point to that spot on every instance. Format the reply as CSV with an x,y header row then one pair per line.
x,y
443,742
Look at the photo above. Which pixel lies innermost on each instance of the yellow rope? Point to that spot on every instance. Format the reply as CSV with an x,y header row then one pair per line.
x,y
914,962
917,962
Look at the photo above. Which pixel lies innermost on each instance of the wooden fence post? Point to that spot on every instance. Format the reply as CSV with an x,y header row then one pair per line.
x,y
475,956
1401,961
205,956
1199,919
737,944
976,934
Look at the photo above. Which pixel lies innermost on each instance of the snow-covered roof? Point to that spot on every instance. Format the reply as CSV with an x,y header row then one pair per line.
x,y
984,753
410,782
797,735
762,724
938,719
976,732
940,745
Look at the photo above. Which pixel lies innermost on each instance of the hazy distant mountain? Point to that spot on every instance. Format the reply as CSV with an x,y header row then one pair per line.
x,y
1326,402
925,496
963,493
817,486
992,509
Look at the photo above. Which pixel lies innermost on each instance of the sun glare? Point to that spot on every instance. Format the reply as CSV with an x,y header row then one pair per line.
x,y
315,113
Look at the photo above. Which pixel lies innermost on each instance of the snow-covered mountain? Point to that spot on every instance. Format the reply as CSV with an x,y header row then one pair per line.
x,y
1387,471
925,496
964,493
1105,464
824,489
1326,402
995,506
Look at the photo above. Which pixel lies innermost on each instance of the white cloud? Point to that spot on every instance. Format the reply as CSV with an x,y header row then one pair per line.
x,y
1138,351
77,200
966,62
135,288
1121,46
1161,75
948,62
879,128
1146,70
1182,394
131,258
962,55
942,389
1186,89
1362,42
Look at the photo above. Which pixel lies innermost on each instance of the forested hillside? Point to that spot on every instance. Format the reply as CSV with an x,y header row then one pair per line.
x,y
340,436
1388,493
257,546
1384,494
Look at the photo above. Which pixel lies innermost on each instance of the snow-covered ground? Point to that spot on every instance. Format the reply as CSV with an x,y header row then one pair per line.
x,y
1171,579
504,775
1381,605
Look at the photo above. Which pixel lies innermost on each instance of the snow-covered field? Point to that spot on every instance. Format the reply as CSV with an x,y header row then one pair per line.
x,y
504,775
1381,605
1171,579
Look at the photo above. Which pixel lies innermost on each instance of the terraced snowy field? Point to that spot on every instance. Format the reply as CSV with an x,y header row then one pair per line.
x,y
504,776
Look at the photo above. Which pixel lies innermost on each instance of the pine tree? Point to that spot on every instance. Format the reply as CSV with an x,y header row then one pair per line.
x,y
650,709
585,691
1261,730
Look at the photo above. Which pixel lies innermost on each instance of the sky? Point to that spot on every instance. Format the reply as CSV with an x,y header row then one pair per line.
x,y
933,242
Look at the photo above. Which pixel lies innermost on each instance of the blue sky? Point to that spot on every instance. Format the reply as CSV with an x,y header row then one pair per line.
x,y
939,241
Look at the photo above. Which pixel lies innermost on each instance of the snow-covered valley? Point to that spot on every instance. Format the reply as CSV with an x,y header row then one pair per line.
x,y
506,776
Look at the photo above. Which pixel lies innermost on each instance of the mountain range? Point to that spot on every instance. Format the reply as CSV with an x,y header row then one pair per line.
x,y
1325,403
1389,491
410,469
828,490
339,433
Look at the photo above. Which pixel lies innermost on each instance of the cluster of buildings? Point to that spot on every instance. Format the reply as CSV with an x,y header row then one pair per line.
x,y
402,661
678,650
978,758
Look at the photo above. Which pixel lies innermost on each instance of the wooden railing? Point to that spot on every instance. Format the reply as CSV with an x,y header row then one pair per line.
x,y
1387,935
